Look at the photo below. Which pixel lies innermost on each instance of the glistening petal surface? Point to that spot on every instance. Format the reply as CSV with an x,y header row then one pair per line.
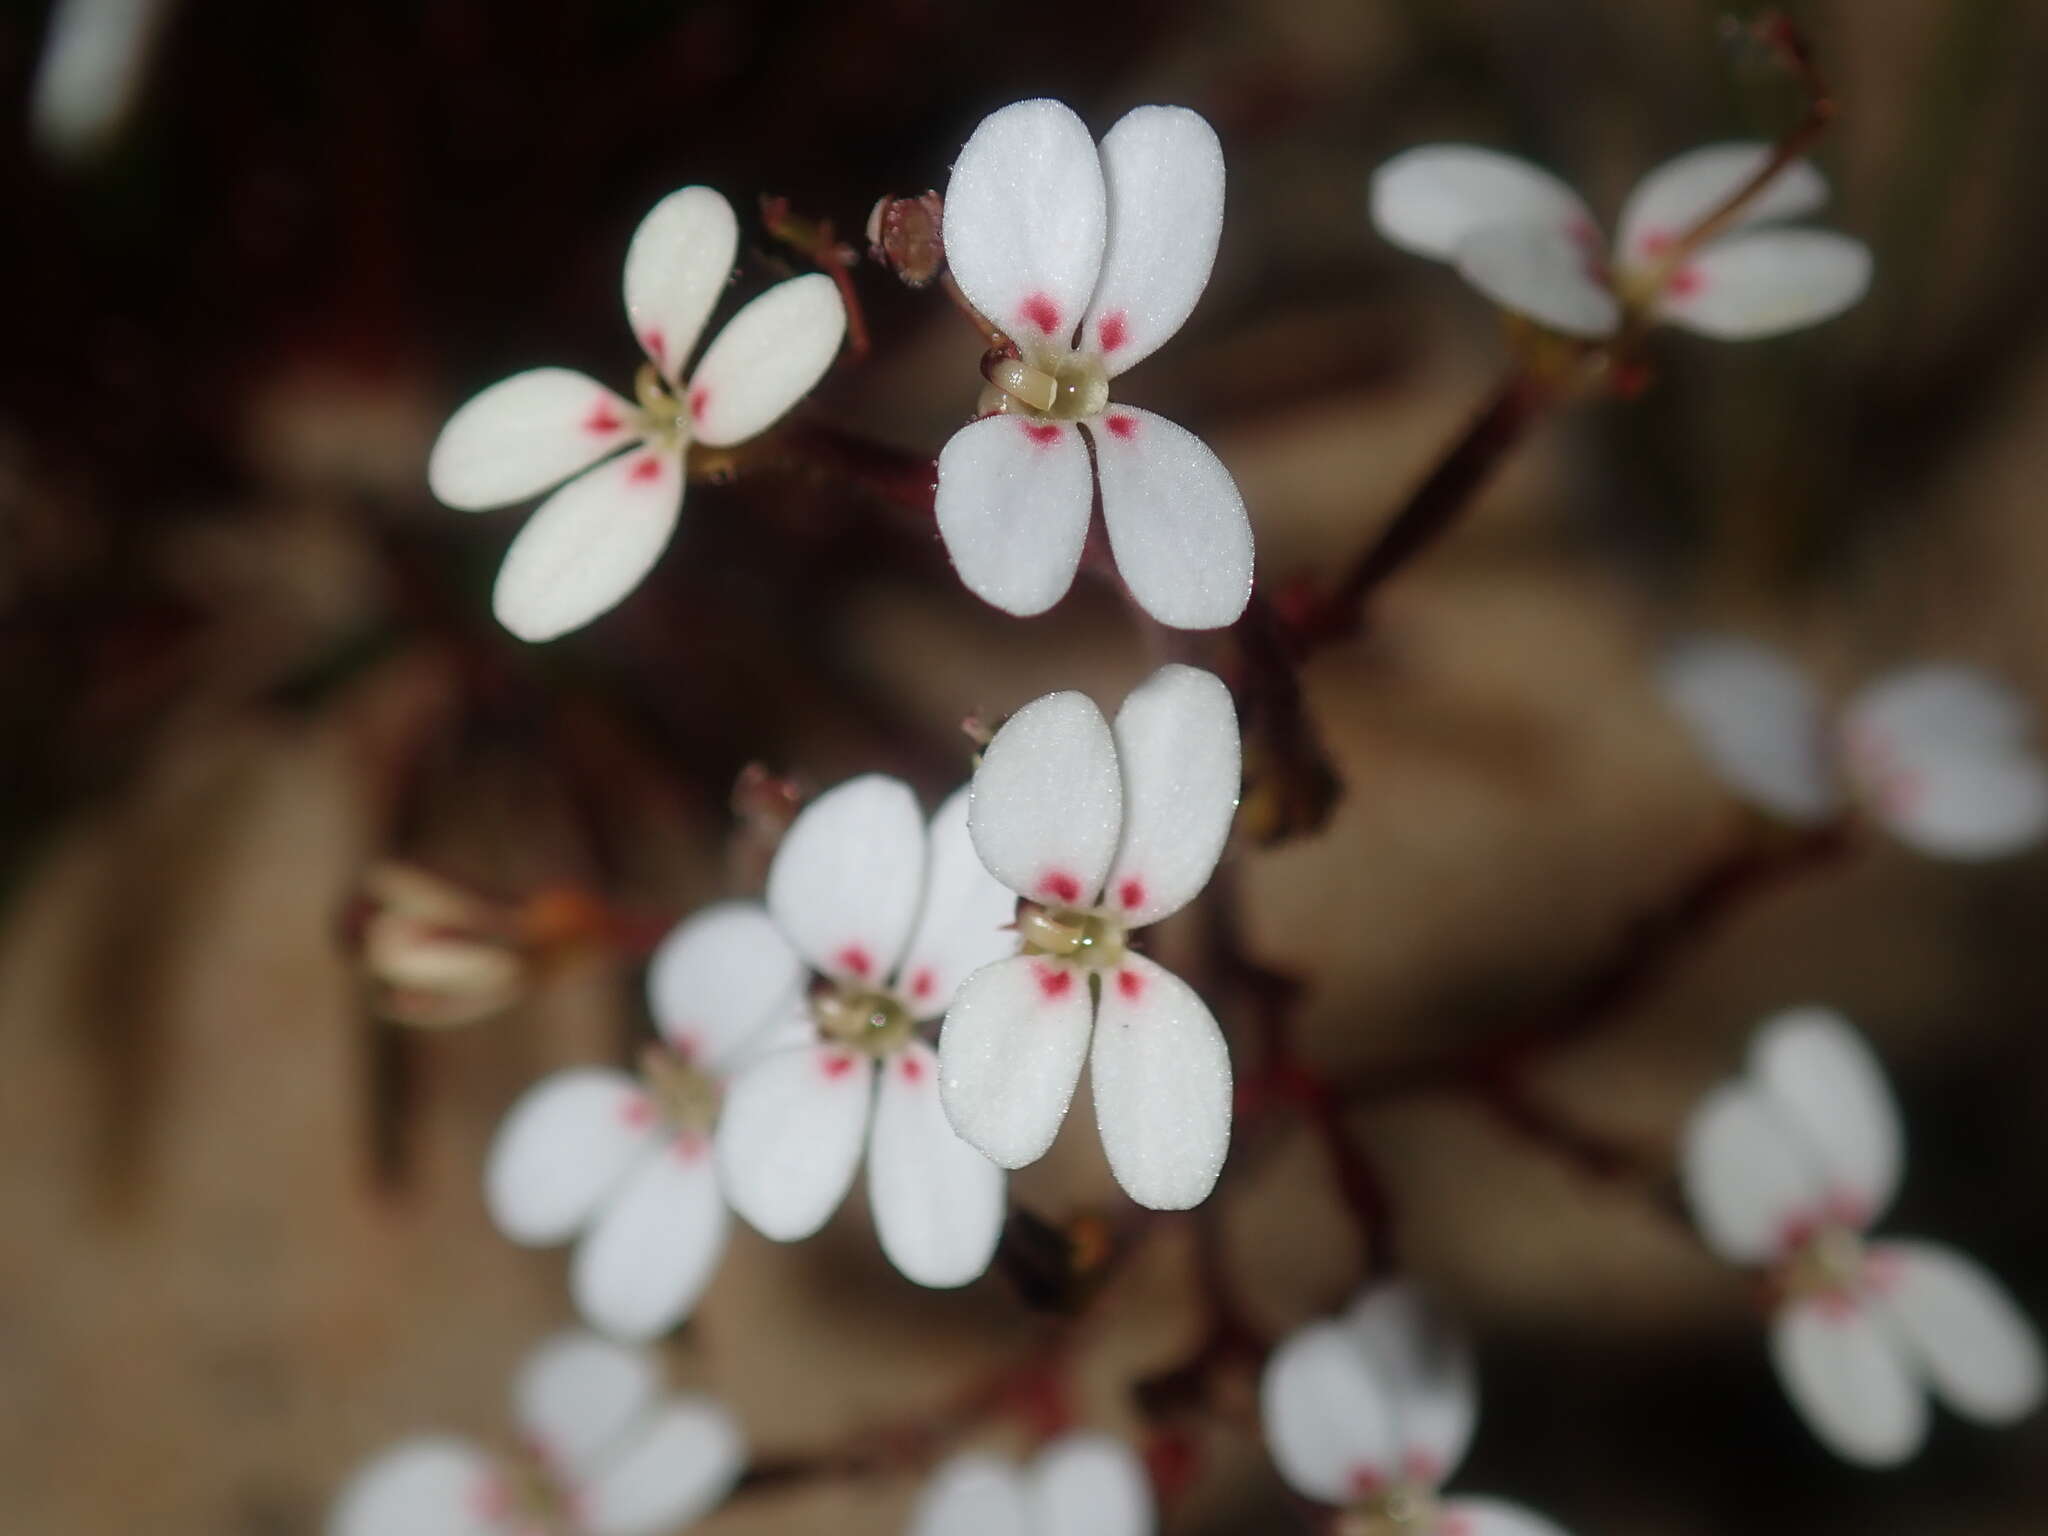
x,y
1012,507
972,1495
1850,1381
938,1203
524,434
589,545
968,918
790,1136
561,1150
1766,283
428,1486
1824,1081
1750,1181
576,1394
1684,190
1975,1347
1328,1423
1757,719
769,356
1539,271
1178,751
1090,1485
1428,199
848,881
719,977
676,267
1162,1086
1424,1362
1010,1056
676,1466
1046,804
646,1260
1176,521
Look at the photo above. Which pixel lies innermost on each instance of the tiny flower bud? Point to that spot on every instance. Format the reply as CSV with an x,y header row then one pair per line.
x,y
904,235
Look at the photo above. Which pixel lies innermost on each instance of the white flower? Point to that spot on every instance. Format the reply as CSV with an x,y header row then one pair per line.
x,y
589,544
1079,1485
626,1162
890,919
1373,1411
1088,261
1101,831
1938,754
602,1452
1787,1167
1525,240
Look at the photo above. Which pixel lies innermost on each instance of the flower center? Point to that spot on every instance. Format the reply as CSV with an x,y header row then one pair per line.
x,y
866,1018
1087,936
664,422
1829,1264
1075,387
1405,1509
529,1495
684,1096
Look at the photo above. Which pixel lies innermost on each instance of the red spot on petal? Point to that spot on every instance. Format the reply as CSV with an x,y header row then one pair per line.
x,y
1453,1525
1042,312
602,421
1053,981
491,1500
683,1040
645,469
1061,886
1421,1467
1043,433
855,961
1114,329
1125,427
837,1065
1685,282
923,984
1836,1306
1656,242
911,1067
689,1147
699,397
636,1111
1366,1482
1795,1232
1131,893
1131,985
656,345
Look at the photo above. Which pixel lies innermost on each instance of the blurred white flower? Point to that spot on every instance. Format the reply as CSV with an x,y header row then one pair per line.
x,y
1526,240
1088,261
1939,755
1787,1167
890,918
602,1452
1373,1411
1101,830
95,61
1079,1485
588,545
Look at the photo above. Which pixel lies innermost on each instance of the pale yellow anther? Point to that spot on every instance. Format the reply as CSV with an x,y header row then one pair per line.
x,y
873,1021
662,418
684,1096
1092,938
1075,388
1829,1263
1405,1509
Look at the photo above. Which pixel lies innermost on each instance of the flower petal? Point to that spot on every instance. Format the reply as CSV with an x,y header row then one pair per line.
x,y
677,266
769,356
1428,199
1766,283
1682,191
789,1136
969,916
1091,1485
675,1467
1010,1056
1025,215
719,977
1850,1381
1748,1177
1494,1517
972,1495
1012,505
1162,1086
524,434
561,1150
1328,1423
645,1262
428,1486
1423,1361
589,545
1046,801
1825,1083
1178,752
1542,272
577,1394
1163,168
1974,1346
938,1203
1176,521
1758,720
848,880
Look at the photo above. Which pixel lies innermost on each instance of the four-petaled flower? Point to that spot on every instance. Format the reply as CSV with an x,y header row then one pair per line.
x,y
1100,830
1372,1412
890,919
1938,754
602,1452
1081,1484
589,544
1088,262
1526,240
1787,1167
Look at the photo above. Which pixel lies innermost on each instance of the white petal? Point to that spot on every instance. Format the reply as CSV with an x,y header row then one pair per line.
x,y
561,1149
1849,1380
769,356
848,880
1959,806
1091,1485
1679,193
589,545
1024,221
1495,1517
1748,1177
968,920
1162,1086
719,977
676,267
1975,1347
675,1467
95,58
1177,749
1424,1362
1328,1423
1164,172
938,1203
789,1136
1829,1088
524,434
972,1495
1542,272
421,1487
1758,720
645,1262
1428,199
1010,1056
1012,506
1047,801
576,1395
1935,707
1176,522
1767,283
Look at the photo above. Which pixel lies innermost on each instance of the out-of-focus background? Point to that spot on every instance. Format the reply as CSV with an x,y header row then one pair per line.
x,y
246,657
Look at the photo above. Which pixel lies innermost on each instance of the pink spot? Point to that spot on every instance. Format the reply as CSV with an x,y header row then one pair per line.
x,y
837,1065
689,1147
636,1111
1685,282
645,469
1125,427
657,346
1043,433
1366,1482
855,961
684,1042
1795,1232
1882,1271
1114,329
1040,311
1131,985
698,397
1656,242
490,1500
1421,1467
1053,982
1836,1306
602,421
1061,887
1454,1524
923,983
911,1068
1846,1209
1131,893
